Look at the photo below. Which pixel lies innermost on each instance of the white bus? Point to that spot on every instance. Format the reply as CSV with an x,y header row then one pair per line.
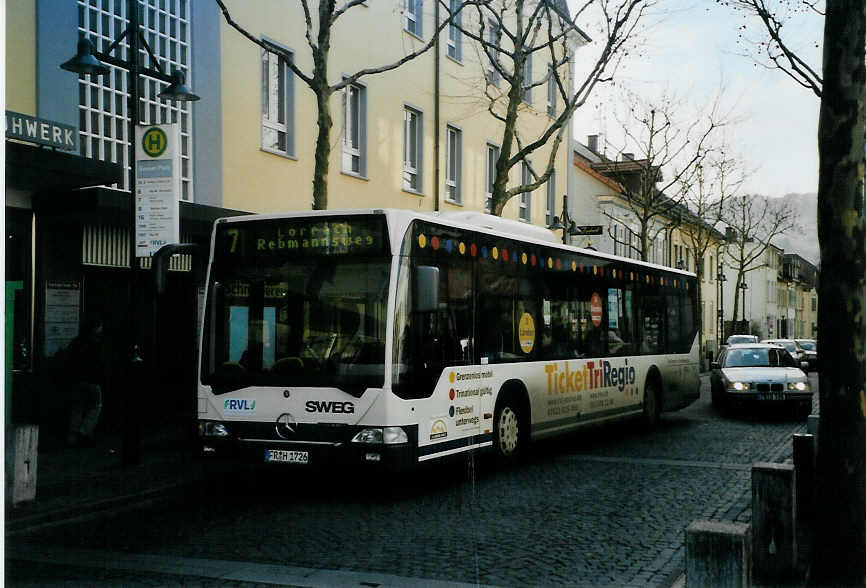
x,y
390,337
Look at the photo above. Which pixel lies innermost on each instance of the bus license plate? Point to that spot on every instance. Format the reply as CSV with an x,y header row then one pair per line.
x,y
284,456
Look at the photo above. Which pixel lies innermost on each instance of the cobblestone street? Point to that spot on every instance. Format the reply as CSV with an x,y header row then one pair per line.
x,y
603,507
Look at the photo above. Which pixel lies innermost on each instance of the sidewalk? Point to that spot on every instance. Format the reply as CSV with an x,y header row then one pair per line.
x,y
76,483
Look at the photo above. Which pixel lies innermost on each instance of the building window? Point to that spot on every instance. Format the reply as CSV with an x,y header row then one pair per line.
x,y
412,129
494,38
414,11
492,158
551,92
453,163
527,79
354,129
551,198
277,104
102,100
455,37
525,211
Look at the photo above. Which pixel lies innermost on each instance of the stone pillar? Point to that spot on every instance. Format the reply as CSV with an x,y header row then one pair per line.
x,y
22,442
804,466
718,553
774,522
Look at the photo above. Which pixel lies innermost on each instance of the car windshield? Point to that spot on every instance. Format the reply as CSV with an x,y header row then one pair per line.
x,y
807,345
742,339
755,357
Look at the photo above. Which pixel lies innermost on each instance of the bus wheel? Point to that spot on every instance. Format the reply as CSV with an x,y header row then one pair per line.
x,y
506,430
651,405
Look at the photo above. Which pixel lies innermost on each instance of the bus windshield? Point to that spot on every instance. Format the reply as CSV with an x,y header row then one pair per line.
x,y
310,315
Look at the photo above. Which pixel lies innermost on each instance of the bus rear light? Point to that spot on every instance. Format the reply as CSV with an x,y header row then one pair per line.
x,y
212,429
379,436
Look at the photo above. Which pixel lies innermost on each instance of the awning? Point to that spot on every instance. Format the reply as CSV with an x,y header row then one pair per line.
x,y
39,169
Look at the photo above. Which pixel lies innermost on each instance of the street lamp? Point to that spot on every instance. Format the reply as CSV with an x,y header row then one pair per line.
x,y
744,286
564,222
721,278
88,61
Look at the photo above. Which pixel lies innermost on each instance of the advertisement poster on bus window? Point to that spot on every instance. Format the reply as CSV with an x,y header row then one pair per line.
x,y
613,308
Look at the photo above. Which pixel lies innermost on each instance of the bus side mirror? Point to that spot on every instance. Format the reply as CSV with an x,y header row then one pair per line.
x,y
426,288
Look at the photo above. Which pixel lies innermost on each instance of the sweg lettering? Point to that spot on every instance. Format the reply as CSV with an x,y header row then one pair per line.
x,y
239,404
330,406
605,375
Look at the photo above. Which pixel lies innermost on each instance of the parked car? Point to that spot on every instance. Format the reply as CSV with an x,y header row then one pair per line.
x,y
759,373
735,339
810,352
791,347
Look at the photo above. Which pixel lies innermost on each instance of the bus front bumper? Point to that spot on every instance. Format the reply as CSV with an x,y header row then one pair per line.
x,y
310,454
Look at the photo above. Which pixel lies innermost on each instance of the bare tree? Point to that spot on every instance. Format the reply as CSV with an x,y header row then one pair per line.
x,y
839,536
716,180
511,35
755,221
772,47
319,27
655,201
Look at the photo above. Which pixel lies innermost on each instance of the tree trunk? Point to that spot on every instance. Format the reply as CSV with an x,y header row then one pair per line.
x,y
323,148
838,544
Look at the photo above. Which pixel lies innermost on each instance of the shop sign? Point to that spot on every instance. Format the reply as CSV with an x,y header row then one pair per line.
x,y
41,131
157,187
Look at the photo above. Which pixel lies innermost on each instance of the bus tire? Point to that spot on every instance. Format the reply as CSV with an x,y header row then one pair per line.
x,y
651,403
510,429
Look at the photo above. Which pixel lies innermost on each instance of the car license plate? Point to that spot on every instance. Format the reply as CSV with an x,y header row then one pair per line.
x,y
771,396
284,456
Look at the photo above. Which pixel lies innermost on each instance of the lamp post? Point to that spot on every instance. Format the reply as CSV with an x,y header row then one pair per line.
x,y
721,278
744,286
88,61
564,222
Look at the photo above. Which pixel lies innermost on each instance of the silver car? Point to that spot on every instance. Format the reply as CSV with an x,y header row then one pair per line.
x,y
759,373
810,352
790,346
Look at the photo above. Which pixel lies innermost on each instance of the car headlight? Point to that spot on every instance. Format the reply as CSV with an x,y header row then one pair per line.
x,y
798,386
212,429
738,386
381,435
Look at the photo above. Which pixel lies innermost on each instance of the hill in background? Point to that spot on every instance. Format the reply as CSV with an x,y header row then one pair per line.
x,y
803,239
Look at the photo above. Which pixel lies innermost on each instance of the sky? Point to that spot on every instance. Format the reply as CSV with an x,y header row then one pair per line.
x,y
689,49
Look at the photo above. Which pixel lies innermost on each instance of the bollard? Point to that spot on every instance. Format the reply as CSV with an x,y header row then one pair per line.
x,y
804,466
774,520
718,553
22,443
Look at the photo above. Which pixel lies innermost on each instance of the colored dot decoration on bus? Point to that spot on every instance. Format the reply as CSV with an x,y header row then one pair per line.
x,y
595,270
532,260
495,253
558,264
451,377
422,241
449,245
462,248
484,252
550,263
451,411
451,394
473,249
505,255
523,258
435,243
574,266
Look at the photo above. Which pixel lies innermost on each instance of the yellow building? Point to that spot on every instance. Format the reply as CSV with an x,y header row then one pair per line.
x,y
395,142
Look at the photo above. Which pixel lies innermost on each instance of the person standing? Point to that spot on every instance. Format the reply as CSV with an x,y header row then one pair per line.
x,y
85,367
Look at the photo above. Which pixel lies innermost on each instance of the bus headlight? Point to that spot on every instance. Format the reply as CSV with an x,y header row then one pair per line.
x,y
738,386
798,386
212,429
379,436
